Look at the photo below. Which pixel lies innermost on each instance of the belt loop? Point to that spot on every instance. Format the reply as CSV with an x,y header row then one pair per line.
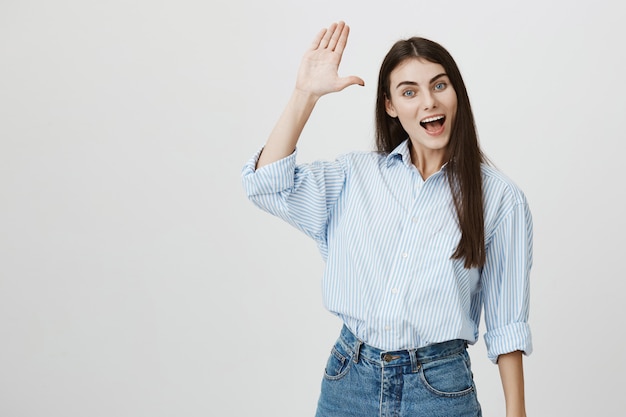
x,y
415,365
357,350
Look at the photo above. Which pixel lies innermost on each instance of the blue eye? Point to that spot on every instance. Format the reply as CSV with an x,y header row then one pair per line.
x,y
440,86
409,93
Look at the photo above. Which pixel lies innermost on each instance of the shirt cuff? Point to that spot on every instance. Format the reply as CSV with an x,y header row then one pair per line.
x,y
272,178
507,339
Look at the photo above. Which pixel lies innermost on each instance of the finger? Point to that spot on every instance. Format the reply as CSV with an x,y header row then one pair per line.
x,y
327,36
343,39
351,80
339,27
318,38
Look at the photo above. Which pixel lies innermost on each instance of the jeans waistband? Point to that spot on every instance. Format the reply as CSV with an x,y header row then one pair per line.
x,y
419,355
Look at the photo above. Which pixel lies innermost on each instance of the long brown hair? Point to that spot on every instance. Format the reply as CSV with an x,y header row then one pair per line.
x,y
464,153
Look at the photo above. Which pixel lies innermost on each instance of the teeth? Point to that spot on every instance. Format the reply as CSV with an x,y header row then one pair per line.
x,y
432,119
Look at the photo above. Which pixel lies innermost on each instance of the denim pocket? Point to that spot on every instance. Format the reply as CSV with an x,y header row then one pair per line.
x,y
339,363
448,377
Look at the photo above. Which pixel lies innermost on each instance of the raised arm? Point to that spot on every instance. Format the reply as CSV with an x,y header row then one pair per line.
x,y
317,76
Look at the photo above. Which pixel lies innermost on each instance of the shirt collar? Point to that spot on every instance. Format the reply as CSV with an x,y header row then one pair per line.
x,y
401,152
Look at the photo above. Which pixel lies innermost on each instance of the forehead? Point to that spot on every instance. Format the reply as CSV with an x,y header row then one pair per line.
x,y
418,70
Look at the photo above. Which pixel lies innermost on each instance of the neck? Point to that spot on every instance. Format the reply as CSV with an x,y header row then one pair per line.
x,y
428,161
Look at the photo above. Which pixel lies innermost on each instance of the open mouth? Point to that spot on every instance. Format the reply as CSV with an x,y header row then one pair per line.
x,y
433,124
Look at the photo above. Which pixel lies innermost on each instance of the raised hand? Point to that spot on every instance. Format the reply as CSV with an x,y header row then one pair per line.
x,y
317,76
318,73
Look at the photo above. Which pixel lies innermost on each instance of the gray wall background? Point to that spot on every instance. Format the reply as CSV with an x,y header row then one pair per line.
x,y
135,277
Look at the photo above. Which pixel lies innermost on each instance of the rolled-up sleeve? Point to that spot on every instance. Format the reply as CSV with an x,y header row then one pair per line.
x,y
303,195
270,179
505,284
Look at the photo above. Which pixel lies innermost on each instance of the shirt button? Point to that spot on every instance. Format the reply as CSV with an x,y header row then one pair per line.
x,y
414,220
387,328
405,255
394,290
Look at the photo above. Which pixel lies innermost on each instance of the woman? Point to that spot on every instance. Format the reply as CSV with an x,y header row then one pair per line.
x,y
417,238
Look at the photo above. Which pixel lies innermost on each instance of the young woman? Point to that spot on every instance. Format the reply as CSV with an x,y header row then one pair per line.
x,y
418,238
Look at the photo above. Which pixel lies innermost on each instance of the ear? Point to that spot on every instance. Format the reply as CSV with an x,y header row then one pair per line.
x,y
391,111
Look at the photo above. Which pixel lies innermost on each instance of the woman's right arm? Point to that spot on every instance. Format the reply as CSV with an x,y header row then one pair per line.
x,y
317,76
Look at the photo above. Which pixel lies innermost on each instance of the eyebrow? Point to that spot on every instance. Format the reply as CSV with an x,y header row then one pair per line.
x,y
400,84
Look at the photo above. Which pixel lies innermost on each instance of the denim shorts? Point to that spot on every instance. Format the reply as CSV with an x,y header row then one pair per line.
x,y
432,381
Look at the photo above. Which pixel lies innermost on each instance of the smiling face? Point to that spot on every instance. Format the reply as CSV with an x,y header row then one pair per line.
x,y
421,96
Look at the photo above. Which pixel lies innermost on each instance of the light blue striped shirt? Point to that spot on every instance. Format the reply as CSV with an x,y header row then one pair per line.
x,y
387,237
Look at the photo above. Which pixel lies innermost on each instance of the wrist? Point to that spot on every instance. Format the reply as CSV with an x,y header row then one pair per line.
x,y
304,97
516,411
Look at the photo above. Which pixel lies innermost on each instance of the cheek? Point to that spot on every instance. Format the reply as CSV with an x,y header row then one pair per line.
x,y
409,109
408,119
452,110
452,103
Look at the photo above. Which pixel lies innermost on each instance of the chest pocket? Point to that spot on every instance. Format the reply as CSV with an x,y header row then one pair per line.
x,y
446,237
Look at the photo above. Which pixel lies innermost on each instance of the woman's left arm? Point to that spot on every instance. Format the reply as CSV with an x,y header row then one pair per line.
x,y
505,280
512,376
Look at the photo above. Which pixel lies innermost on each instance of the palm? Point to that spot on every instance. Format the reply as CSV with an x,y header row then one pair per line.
x,y
318,74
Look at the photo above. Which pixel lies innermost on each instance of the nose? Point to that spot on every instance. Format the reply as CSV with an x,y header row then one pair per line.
x,y
430,102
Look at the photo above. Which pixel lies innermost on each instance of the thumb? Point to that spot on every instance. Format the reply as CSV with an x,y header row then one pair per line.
x,y
351,80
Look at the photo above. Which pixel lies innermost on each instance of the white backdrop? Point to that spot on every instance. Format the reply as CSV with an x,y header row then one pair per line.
x,y
135,277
